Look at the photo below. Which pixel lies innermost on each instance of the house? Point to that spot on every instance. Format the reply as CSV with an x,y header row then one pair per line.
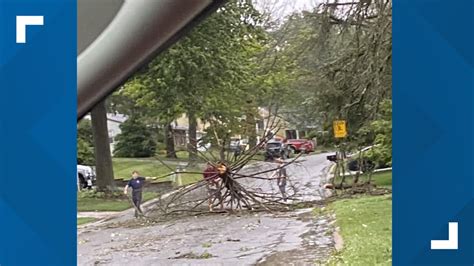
x,y
113,125
181,130
299,125
283,126
267,123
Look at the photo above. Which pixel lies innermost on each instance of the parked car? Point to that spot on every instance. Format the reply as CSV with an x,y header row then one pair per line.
x,y
237,146
300,145
276,149
85,176
203,146
334,157
234,147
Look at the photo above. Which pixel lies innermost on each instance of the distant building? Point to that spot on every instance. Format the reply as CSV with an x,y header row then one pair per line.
x,y
285,129
113,125
266,124
181,130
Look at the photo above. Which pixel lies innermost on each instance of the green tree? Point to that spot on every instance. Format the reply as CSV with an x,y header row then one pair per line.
x,y
85,153
382,129
205,74
135,140
158,103
343,55
85,148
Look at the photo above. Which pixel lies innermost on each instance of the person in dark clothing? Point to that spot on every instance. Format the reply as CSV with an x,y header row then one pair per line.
x,y
136,183
281,176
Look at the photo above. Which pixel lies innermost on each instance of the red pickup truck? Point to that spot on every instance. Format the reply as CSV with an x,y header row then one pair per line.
x,y
300,145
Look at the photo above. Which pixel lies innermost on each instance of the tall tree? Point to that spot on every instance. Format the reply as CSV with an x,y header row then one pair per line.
x,y
206,71
343,52
158,104
104,169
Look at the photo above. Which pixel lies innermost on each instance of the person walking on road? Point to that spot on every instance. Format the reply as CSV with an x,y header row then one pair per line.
x,y
281,176
136,183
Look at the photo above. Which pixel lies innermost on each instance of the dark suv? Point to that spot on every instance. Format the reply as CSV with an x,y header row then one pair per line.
x,y
276,149
235,147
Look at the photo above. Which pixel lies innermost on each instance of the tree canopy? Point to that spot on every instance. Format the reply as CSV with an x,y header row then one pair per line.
x,y
314,66
135,140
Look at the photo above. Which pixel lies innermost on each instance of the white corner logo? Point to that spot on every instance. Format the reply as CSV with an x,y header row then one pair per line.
x,y
451,243
22,22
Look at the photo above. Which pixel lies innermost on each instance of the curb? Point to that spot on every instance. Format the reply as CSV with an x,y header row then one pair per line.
x,y
118,214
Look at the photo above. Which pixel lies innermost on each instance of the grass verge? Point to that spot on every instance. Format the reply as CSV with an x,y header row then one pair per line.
x,y
383,179
85,220
380,179
123,167
366,228
108,204
151,167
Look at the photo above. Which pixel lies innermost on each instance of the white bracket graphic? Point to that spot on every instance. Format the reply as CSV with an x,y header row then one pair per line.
x,y
451,243
22,22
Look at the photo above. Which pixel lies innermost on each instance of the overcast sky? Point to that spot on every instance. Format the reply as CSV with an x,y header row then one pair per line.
x,y
282,8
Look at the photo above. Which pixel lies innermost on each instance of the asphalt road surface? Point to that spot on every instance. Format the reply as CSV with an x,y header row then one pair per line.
x,y
286,238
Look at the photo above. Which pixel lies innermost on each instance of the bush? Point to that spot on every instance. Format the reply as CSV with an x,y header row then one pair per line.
x,y
94,194
380,131
325,138
85,153
160,146
85,146
135,141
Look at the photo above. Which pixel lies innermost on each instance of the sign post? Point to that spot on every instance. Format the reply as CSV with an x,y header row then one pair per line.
x,y
340,130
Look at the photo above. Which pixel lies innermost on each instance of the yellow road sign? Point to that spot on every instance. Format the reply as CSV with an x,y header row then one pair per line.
x,y
339,127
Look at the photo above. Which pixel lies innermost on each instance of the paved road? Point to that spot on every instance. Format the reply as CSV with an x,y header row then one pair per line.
x,y
221,239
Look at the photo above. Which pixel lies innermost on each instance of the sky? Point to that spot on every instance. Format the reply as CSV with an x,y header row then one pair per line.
x,y
281,8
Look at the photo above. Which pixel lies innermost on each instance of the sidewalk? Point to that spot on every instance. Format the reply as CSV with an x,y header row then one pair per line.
x,y
105,217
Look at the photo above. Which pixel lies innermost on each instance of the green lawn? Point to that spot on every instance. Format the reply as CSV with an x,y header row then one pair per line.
x,y
184,155
366,229
84,220
187,179
105,204
381,179
151,167
123,167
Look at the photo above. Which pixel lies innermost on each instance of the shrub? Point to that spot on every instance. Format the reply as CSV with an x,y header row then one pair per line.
x,y
85,146
85,153
135,141
381,128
